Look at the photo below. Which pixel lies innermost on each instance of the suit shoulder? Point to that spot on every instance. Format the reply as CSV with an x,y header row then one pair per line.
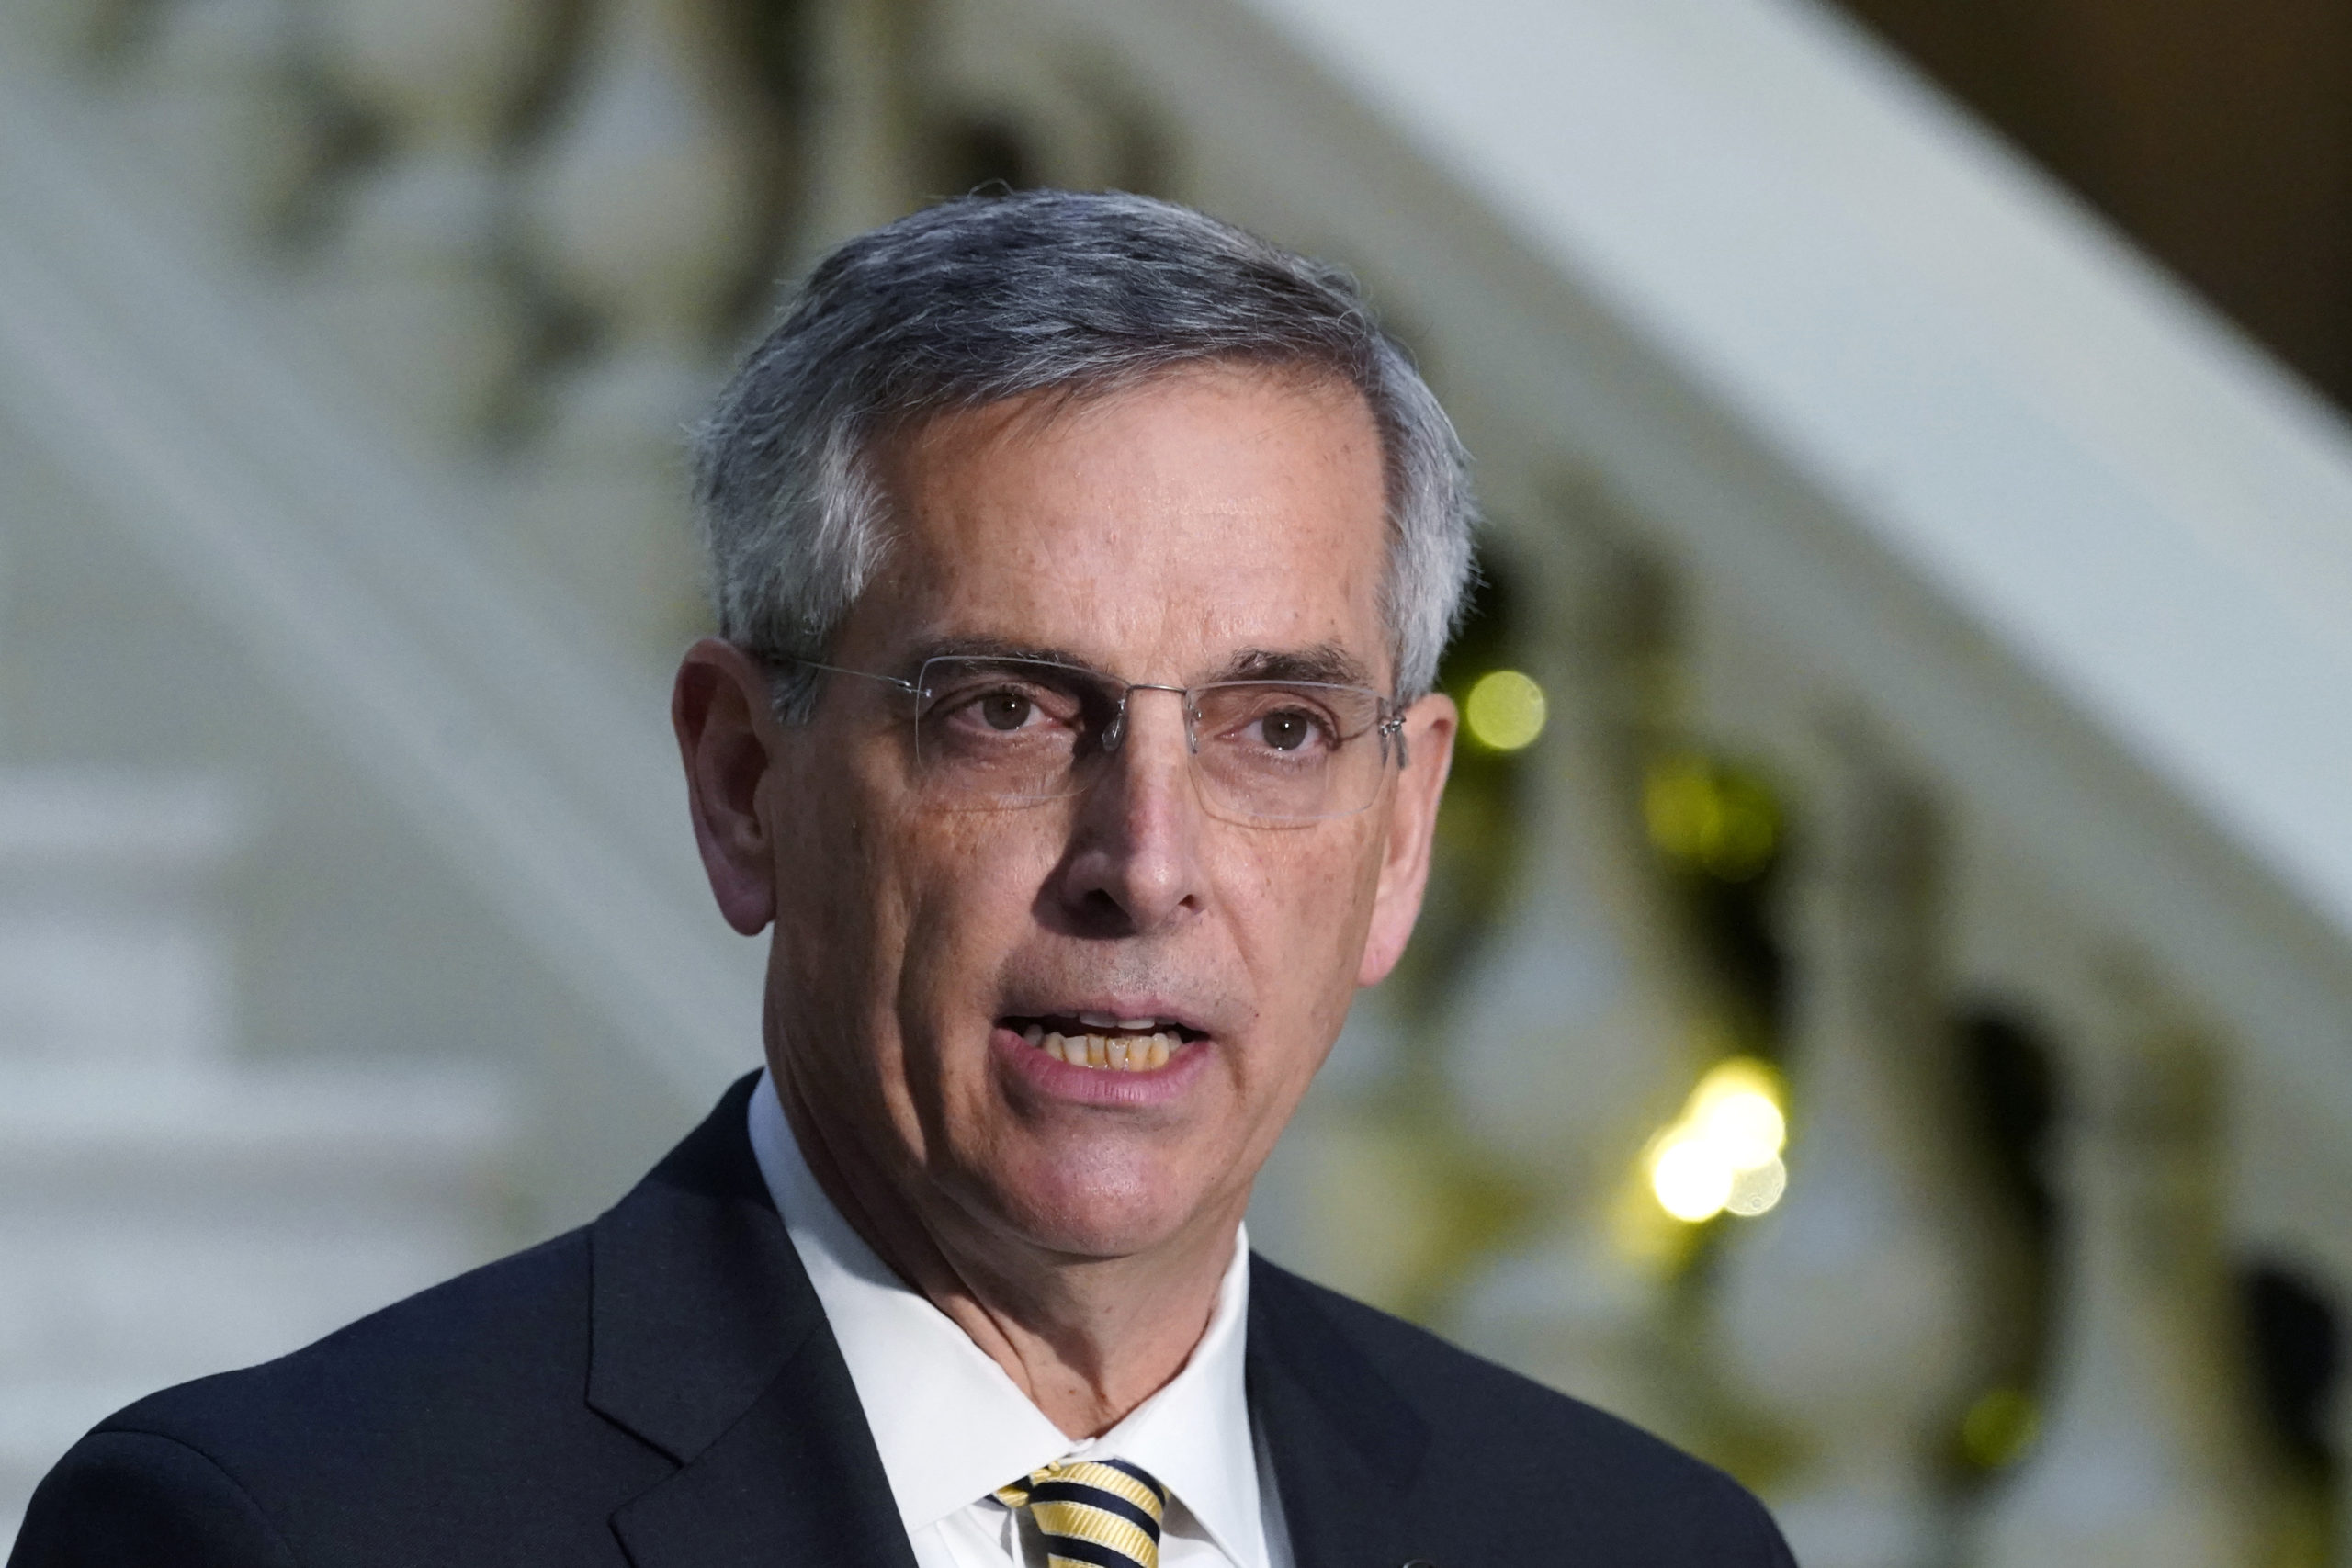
x,y
1485,1419
1448,1385
479,1337
135,1497
405,1437
450,1373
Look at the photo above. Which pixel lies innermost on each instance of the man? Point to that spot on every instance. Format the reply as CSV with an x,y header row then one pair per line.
x,y
1083,565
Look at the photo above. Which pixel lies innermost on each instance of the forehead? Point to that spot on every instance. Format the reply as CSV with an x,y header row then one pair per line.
x,y
1161,531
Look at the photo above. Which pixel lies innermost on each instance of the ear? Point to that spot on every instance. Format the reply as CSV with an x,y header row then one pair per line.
x,y
728,737
1430,726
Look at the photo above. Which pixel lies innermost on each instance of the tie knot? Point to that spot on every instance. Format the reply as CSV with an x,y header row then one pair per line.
x,y
1094,1513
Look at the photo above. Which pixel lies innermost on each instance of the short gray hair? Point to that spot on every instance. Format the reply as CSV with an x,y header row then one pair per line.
x,y
983,298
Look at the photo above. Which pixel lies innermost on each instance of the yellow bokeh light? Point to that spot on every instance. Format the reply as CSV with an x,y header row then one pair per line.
x,y
1999,1429
1739,1075
1711,817
1748,1127
1691,1178
1756,1188
1723,1151
1737,1107
1504,711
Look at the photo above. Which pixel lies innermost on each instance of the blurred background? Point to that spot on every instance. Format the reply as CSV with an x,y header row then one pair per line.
x,y
1884,1015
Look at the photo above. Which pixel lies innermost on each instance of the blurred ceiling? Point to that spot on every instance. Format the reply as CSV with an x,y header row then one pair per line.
x,y
2217,133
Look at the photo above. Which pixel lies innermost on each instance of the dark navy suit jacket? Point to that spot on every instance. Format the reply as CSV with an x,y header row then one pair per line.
x,y
661,1389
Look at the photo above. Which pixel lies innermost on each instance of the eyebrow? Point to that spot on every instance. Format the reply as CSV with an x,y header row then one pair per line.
x,y
994,648
1323,663
1326,663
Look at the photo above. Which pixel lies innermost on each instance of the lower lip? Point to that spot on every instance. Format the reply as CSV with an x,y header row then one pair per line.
x,y
1057,1079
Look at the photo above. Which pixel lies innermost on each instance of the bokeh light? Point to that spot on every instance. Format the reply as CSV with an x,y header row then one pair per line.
x,y
1736,1108
1714,818
1756,1188
1504,711
1691,1178
1999,1427
1723,1152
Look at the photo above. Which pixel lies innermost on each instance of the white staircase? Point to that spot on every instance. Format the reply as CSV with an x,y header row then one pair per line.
x,y
350,928
166,1209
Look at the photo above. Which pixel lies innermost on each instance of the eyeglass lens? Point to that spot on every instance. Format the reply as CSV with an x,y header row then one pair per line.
x,y
1006,731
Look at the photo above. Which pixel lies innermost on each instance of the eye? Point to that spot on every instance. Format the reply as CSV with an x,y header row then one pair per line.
x,y
1004,710
1287,730
1010,709
1292,732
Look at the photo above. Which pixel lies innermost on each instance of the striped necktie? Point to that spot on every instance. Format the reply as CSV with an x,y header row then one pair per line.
x,y
1093,1514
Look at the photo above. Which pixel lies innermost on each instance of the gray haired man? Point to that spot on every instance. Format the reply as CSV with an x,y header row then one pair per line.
x,y
1083,565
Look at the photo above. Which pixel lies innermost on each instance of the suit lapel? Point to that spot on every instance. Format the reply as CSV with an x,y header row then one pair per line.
x,y
708,1343
776,1489
1345,1444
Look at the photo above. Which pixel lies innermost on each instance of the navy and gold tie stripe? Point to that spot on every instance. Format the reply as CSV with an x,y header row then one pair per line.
x,y
1093,1514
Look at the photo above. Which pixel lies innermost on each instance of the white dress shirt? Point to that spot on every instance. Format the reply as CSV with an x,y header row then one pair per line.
x,y
951,1426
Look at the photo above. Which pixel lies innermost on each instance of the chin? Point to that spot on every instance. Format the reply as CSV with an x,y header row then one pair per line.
x,y
1099,1204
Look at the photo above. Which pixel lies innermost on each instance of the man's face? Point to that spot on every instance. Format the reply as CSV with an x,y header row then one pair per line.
x,y
1178,533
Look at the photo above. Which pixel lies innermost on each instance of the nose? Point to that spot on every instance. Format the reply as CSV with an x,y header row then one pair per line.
x,y
1134,863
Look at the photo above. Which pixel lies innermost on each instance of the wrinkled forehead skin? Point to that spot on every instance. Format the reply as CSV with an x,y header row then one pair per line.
x,y
1237,507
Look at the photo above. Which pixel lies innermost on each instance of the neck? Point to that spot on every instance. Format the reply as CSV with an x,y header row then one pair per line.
x,y
1086,1339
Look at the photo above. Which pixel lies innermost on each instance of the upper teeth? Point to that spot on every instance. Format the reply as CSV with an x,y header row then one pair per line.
x,y
1104,1020
1121,1052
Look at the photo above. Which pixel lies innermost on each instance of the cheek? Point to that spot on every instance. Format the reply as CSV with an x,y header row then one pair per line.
x,y
969,884
1310,905
830,928
840,916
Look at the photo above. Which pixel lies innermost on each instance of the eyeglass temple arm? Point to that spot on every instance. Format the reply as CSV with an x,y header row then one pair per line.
x,y
907,687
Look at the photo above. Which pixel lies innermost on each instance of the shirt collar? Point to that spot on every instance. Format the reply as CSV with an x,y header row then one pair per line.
x,y
951,1426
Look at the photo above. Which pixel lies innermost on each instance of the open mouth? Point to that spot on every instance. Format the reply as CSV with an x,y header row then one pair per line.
x,y
1099,1039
